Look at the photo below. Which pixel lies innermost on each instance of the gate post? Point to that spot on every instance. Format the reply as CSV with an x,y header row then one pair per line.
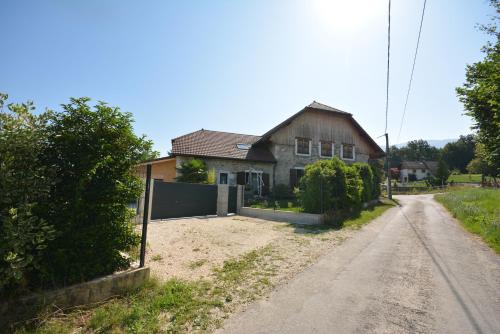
x,y
239,198
222,199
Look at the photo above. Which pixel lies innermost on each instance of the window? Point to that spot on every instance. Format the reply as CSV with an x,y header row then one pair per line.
x,y
302,146
223,178
295,175
243,146
325,149
423,170
414,171
347,152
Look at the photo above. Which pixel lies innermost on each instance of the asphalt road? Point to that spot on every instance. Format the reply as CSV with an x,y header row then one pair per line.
x,y
413,270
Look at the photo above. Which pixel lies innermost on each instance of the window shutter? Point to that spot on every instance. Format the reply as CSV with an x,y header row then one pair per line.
x,y
293,178
265,179
240,178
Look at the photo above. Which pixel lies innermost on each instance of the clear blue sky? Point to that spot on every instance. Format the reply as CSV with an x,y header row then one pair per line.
x,y
243,66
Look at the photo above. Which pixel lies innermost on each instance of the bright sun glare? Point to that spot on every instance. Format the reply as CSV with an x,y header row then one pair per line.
x,y
346,15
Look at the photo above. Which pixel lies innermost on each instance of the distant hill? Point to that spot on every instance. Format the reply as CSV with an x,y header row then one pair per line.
x,y
439,143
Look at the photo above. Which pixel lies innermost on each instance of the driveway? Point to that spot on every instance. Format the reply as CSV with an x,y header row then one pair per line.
x,y
413,270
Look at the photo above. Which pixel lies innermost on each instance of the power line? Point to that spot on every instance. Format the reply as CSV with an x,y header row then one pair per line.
x,y
388,66
412,69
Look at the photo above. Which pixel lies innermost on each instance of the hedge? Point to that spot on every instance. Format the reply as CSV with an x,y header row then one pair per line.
x,y
331,185
67,180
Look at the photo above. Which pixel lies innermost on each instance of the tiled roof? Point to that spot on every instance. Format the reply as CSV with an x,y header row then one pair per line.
x,y
413,165
430,165
206,143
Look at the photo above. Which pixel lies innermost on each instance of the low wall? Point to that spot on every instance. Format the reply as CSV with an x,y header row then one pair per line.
x,y
90,292
299,218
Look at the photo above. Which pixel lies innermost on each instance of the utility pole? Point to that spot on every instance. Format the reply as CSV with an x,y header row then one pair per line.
x,y
389,187
145,217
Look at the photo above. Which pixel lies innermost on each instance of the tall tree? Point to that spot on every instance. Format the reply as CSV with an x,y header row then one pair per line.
x,y
415,150
480,95
458,154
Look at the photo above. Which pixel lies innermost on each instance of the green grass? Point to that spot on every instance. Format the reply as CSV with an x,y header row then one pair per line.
x,y
478,210
284,205
237,269
174,306
355,220
465,178
369,214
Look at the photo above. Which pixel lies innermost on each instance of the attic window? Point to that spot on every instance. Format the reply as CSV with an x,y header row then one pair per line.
x,y
243,146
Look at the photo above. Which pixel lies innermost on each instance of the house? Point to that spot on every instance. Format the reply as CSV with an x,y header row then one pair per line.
x,y
278,156
417,170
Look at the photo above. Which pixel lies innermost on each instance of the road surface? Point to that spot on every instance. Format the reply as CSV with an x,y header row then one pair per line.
x,y
413,270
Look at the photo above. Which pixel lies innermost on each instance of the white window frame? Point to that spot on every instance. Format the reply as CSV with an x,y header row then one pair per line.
x,y
333,149
302,154
223,172
353,152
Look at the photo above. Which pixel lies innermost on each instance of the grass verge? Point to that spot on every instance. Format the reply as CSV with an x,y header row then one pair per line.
x,y
478,210
465,178
174,306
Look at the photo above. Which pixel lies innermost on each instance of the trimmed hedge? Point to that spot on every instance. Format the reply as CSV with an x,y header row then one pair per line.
x,y
331,185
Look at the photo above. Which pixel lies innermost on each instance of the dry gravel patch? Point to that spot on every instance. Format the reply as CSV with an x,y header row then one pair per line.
x,y
190,248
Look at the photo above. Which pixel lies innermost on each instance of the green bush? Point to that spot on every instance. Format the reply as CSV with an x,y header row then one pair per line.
x,y
25,183
73,205
366,174
332,186
193,171
281,191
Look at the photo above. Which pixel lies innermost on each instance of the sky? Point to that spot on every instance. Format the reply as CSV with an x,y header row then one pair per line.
x,y
244,66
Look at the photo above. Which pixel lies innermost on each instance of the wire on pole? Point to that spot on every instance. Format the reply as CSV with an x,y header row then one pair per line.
x,y
412,69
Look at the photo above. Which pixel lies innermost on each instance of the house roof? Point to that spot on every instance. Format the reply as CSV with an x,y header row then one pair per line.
x,y
430,165
217,144
413,165
316,106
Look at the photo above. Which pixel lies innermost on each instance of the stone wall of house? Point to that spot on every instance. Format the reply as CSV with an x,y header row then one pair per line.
x,y
233,166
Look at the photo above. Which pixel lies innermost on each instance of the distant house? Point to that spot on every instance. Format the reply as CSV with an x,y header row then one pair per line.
x,y
416,170
277,157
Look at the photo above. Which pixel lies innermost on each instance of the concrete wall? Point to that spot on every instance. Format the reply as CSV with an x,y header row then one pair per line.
x,y
80,294
299,218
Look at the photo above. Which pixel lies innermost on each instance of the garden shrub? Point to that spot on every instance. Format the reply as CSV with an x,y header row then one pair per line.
x,y
74,204
366,174
333,187
25,183
354,187
324,186
193,171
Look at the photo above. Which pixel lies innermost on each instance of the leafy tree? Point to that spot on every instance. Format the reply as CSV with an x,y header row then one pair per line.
x,y
459,153
93,151
415,150
480,95
442,172
476,166
24,182
193,171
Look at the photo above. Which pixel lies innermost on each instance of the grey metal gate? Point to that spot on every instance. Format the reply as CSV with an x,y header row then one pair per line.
x,y
175,199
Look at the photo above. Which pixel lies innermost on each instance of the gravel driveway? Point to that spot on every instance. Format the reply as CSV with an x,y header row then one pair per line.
x,y
190,248
413,270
